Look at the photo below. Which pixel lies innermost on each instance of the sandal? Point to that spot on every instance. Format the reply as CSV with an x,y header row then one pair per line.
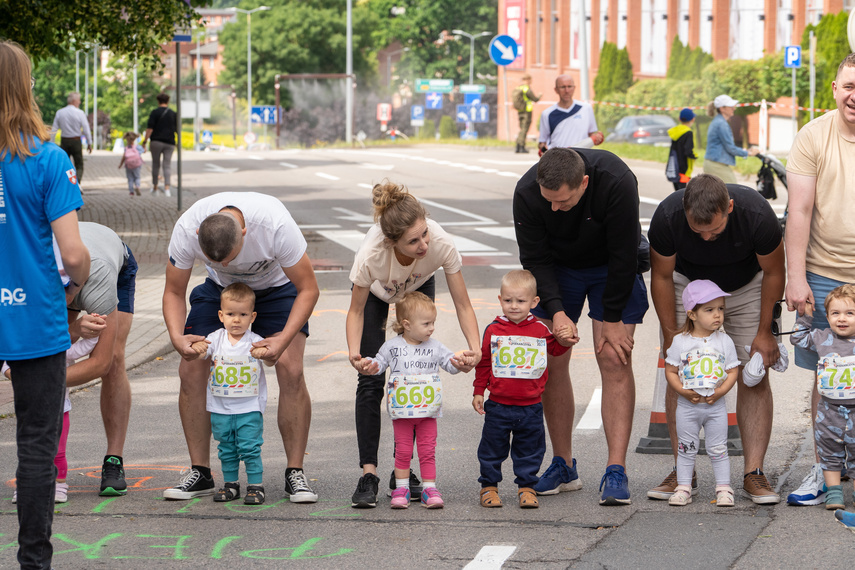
x,y
724,497
528,498
682,496
490,497
229,492
254,495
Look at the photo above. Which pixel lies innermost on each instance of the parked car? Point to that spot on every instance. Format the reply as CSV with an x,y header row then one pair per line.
x,y
643,129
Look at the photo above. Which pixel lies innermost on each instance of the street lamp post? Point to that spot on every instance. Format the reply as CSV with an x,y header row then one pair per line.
x,y
471,50
389,64
249,14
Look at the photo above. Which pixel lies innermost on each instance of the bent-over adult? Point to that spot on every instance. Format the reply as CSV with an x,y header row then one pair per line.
x,y
400,253
40,197
242,237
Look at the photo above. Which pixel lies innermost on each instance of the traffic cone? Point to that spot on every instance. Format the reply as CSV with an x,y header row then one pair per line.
x,y
658,441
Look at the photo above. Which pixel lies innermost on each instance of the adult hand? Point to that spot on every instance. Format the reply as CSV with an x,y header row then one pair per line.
x,y
798,295
753,151
766,345
89,148
597,137
91,325
615,334
465,360
184,345
478,404
275,345
367,366
566,335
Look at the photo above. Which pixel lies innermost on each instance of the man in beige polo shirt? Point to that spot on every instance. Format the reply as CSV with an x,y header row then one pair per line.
x,y
820,237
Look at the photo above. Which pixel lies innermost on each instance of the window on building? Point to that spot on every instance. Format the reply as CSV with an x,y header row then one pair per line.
x,y
553,24
622,15
784,25
604,21
538,33
653,28
576,32
683,25
813,9
185,61
169,61
746,29
706,26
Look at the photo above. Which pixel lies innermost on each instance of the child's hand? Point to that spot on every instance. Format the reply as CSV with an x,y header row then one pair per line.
x,y
690,395
715,396
566,335
463,360
258,352
478,404
367,366
200,347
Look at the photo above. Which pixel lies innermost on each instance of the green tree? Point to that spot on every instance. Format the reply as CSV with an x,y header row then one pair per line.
x,y
296,36
675,61
117,98
54,80
48,28
686,63
615,72
832,46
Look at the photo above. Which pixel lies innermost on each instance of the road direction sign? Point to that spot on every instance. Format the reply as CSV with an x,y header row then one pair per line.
x,y
503,50
417,115
793,56
384,112
470,88
264,114
434,85
433,100
473,113
207,137
472,98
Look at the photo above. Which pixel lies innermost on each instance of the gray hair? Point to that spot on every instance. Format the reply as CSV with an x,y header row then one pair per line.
x,y
72,97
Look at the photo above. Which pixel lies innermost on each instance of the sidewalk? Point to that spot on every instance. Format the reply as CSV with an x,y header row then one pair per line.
x,y
145,224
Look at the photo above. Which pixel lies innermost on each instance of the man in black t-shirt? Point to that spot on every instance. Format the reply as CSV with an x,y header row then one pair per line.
x,y
729,234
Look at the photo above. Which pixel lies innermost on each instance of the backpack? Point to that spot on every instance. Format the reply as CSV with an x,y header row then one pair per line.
x,y
132,158
766,182
672,169
518,99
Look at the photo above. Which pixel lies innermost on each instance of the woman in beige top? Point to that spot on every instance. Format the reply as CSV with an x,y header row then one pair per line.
x,y
400,253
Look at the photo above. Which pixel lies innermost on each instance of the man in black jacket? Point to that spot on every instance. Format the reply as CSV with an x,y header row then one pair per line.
x,y
576,219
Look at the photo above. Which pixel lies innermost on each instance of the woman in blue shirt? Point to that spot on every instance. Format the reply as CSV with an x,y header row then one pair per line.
x,y
39,198
721,150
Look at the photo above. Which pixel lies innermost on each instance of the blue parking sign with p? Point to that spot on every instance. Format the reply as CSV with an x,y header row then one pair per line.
x,y
793,56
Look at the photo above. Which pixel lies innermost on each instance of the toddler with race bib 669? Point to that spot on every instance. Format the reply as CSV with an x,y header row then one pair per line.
x,y
414,392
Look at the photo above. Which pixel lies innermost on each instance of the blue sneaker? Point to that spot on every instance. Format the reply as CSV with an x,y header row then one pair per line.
x,y
846,519
558,477
811,491
615,487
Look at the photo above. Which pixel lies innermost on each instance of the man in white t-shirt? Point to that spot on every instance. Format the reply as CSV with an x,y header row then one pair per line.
x,y
820,237
568,122
249,238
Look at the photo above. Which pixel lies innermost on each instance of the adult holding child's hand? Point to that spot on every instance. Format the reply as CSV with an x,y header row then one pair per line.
x,y
400,253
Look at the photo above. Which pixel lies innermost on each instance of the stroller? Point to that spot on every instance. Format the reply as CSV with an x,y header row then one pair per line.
x,y
770,168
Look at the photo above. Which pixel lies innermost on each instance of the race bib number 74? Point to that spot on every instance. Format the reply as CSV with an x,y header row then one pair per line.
x,y
835,377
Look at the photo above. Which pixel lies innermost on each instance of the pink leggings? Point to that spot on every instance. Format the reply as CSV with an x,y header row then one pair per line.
x,y
60,461
425,429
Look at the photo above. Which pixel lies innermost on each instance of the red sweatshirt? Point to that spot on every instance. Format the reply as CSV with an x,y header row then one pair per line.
x,y
512,391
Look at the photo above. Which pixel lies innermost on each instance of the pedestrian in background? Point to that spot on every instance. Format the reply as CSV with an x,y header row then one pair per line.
x,y
72,123
682,149
161,129
132,161
721,150
568,123
40,197
524,99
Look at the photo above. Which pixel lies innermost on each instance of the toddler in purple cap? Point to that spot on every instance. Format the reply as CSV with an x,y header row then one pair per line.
x,y
701,367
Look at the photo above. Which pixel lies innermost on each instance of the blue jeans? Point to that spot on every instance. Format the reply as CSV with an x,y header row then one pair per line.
x,y
525,424
39,387
820,287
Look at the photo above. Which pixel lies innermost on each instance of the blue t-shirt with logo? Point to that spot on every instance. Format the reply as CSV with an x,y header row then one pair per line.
x,y
33,193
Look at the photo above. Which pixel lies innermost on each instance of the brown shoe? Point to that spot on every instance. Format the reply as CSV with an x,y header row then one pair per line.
x,y
528,498
665,489
757,488
490,497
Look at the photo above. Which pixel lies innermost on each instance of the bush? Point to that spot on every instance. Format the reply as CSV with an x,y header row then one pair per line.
x,y
428,131
615,72
448,128
831,47
686,63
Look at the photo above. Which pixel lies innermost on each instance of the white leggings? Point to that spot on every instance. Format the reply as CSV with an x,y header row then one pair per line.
x,y
690,419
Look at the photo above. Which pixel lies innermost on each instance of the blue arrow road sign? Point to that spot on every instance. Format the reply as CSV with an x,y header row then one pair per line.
x,y
503,50
264,114
472,98
793,56
207,137
473,113
417,112
433,100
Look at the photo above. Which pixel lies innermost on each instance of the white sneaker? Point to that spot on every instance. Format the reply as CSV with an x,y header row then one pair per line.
x,y
811,491
152,189
167,193
15,497
61,495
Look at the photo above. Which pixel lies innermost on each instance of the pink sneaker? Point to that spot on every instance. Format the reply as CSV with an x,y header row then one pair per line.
x,y
432,499
401,498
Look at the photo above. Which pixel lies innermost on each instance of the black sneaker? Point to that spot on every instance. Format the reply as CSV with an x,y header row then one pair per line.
x,y
415,486
365,496
113,478
192,484
297,487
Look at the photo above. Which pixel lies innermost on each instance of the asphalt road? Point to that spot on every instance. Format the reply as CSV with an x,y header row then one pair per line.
x,y
469,193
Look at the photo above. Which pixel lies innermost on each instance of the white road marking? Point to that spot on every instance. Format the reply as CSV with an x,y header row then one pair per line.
x,y
288,165
351,239
506,162
503,232
646,200
480,219
363,185
491,557
318,226
354,216
219,169
371,166
487,253
507,267
466,245
327,176
593,417
255,157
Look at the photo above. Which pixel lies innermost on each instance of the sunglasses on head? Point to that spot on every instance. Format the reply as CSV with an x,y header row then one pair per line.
x,y
776,314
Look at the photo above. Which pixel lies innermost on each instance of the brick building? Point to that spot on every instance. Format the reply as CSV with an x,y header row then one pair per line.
x,y
549,35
